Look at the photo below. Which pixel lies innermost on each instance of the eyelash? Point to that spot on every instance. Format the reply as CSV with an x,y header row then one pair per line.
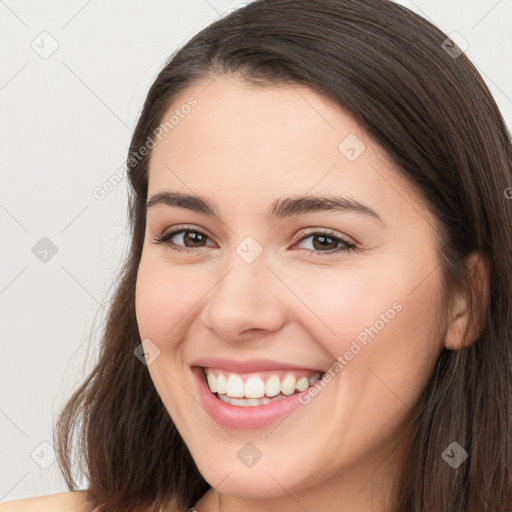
x,y
164,238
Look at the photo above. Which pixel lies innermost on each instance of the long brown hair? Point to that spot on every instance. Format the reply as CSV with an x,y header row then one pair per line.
x,y
432,113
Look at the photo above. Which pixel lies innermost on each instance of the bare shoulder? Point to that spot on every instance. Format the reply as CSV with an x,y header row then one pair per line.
x,y
60,502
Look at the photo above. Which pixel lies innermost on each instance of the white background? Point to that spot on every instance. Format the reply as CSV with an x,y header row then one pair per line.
x,y
66,123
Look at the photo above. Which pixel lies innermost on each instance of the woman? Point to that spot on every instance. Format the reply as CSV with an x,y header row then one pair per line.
x,y
315,313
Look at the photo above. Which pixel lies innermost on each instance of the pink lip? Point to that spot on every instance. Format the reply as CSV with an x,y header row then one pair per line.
x,y
234,416
247,366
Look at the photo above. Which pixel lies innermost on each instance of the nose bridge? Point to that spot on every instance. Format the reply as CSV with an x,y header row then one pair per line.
x,y
247,271
242,299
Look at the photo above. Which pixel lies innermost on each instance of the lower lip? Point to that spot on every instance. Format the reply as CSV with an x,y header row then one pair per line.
x,y
235,416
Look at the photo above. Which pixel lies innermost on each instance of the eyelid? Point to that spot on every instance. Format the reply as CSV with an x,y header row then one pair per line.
x,y
184,227
348,244
327,231
303,232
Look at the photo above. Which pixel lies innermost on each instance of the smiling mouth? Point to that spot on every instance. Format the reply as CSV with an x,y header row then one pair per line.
x,y
260,388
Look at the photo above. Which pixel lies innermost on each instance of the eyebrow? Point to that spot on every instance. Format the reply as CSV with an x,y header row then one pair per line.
x,y
280,208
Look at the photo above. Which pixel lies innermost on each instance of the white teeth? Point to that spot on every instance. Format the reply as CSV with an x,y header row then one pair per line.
x,y
212,382
288,384
221,384
273,386
249,402
302,384
255,388
235,386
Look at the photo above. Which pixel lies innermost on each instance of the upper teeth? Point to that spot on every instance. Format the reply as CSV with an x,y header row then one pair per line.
x,y
255,387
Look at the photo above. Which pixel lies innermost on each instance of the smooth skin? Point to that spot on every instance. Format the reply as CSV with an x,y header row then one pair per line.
x,y
58,502
242,147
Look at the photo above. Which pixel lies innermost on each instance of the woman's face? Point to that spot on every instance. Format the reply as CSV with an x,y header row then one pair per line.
x,y
254,297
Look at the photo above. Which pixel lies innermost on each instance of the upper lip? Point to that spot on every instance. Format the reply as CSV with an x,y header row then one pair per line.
x,y
248,365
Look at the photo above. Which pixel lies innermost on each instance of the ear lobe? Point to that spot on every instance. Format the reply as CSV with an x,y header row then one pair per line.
x,y
469,309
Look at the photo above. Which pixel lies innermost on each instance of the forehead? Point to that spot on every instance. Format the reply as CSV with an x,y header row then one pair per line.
x,y
262,142
243,121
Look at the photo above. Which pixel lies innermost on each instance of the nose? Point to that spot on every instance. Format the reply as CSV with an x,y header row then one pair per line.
x,y
246,302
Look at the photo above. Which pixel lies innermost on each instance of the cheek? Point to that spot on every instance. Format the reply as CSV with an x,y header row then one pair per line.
x,y
340,306
383,349
163,299
381,327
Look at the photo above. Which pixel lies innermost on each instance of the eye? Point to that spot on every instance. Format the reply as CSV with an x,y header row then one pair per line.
x,y
329,241
195,237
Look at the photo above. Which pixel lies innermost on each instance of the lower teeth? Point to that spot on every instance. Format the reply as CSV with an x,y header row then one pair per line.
x,y
248,402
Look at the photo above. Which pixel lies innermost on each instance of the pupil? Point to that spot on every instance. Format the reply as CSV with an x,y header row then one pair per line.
x,y
323,238
191,235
